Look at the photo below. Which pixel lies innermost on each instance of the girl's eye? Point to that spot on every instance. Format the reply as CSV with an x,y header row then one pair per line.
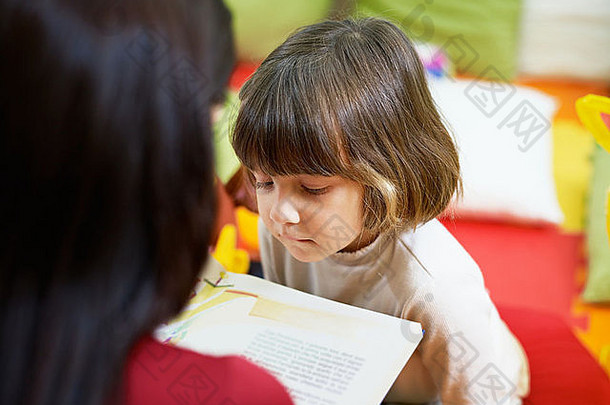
x,y
268,186
315,191
263,185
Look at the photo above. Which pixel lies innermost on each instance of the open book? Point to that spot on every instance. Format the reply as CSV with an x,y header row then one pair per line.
x,y
324,352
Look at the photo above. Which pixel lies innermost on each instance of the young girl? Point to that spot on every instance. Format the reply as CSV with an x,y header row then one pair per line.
x,y
352,164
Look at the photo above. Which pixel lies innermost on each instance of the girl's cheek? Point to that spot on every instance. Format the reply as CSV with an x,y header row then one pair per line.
x,y
264,207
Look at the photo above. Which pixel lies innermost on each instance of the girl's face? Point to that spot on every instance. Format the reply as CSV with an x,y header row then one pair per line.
x,y
312,216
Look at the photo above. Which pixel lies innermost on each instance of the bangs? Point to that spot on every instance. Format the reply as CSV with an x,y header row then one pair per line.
x,y
285,126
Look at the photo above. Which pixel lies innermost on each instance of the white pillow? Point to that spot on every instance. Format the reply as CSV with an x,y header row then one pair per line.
x,y
503,133
566,38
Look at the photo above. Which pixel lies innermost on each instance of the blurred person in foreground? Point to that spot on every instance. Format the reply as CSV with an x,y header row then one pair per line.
x,y
108,201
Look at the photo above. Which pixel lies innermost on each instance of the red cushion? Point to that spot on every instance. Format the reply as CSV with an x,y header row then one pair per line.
x,y
562,370
518,262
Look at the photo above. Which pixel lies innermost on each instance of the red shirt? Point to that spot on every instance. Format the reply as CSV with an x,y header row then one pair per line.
x,y
164,374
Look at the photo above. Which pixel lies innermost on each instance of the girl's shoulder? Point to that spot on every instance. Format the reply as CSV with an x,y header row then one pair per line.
x,y
438,252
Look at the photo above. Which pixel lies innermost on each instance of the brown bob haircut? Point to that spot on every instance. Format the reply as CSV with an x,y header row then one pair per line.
x,y
350,98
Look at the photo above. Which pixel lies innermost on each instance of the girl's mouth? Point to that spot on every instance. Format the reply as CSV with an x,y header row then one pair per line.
x,y
296,239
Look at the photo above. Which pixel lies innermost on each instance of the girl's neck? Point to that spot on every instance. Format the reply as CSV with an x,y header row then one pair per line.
x,y
365,238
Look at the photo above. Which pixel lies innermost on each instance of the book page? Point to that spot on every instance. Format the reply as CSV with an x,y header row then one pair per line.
x,y
324,352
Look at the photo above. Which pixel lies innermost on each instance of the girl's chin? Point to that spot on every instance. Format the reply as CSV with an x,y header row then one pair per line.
x,y
307,255
308,259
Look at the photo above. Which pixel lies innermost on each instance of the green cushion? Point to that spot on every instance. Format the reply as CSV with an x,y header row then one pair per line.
x,y
597,288
226,161
261,25
475,34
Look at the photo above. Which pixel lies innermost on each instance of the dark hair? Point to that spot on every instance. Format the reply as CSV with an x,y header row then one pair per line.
x,y
107,183
350,98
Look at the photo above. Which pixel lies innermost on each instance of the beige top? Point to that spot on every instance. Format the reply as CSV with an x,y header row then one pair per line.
x,y
425,276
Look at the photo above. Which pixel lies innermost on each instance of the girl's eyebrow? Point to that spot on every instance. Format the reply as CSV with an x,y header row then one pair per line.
x,y
298,177
259,173
320,176
315,178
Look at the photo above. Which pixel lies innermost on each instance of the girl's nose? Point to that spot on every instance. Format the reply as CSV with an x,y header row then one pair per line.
x,y
284,211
